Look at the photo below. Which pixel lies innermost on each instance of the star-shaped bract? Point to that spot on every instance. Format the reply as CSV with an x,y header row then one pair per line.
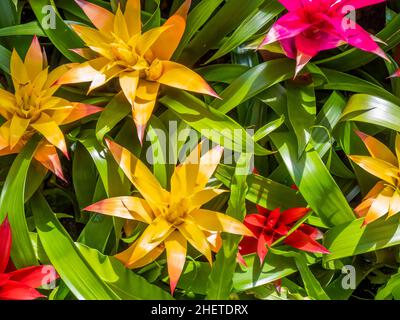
x,y
384,198
174,217
312,26
19,284
269,226
117,48
33,108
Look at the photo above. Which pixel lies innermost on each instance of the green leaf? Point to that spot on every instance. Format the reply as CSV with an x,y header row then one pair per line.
x,y
314,181
269,128
113,113
221,21
12,203
26,29
225,73
84,176
352,238
72,267
36,174
373,110
302,112
253,82
311,284
327,120
155,19
5,56
113,179
8,13
346,82
55,28
220,280
390,290
211,123
253,23
127,284
196,19
157,135
265,192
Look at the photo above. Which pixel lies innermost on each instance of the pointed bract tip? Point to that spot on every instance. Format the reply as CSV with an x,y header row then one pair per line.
x,y
35,39
212,93
60,175
351,157
89,208
81,3
218,148
66,154
6,222
140,131
395,75
324,251
108,143
361,134
172,285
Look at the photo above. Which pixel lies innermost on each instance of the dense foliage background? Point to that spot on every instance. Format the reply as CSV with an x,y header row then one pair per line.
x,y
309,123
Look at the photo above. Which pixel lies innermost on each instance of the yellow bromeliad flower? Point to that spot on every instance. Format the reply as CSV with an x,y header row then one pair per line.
x,y
33,108
118,49
174,217
384,198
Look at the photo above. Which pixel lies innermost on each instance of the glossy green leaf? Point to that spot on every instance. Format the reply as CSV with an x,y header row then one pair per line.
x,y
70,264
352,238
254,22
314,181
220,281
253,82
302,112
55,28
221,21
127,284
113,113
265,192
211,123
12,204
373,110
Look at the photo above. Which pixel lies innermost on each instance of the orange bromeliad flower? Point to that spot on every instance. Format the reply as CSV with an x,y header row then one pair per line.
x,y
33,108
141,62
174,217
385,196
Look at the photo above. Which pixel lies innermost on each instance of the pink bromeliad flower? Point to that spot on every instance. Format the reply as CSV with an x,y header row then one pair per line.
x,y
312,26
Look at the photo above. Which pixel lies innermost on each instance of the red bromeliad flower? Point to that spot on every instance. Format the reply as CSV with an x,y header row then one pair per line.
x,y
19,284
312,26
269,226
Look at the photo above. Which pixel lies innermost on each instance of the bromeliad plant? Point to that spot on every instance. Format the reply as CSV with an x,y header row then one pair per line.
x,y
117,48
175,218
312,26
384,198
33,108
270,226
121,218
